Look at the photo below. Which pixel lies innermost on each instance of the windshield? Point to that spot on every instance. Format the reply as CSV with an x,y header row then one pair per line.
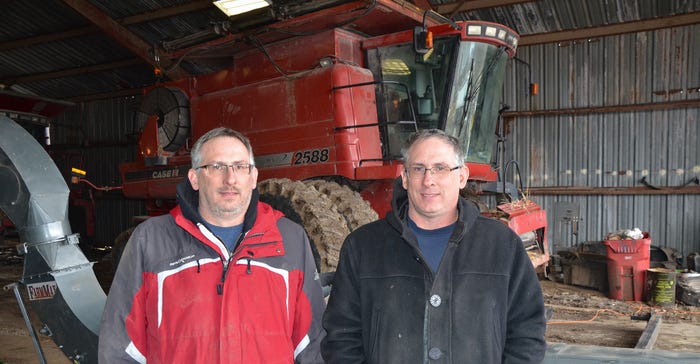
x,y
475,98
456,87
413,85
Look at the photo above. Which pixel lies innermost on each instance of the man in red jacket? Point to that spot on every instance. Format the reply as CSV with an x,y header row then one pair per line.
x,y
223,278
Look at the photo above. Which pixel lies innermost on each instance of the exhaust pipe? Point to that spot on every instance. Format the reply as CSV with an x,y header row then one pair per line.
x,y
61,285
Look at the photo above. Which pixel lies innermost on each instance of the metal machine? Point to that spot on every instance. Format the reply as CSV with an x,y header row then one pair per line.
x,y
60,283
328,98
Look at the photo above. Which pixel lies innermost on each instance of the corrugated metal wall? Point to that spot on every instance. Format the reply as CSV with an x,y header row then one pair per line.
x,y
611,149
96,137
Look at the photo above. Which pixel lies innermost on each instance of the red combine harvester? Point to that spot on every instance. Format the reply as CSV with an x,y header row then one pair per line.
x,y
327,99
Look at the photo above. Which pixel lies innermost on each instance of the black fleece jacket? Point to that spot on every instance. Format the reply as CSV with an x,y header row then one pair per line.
x,y
484,305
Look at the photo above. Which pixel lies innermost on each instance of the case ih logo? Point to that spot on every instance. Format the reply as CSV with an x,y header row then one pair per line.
x,y
156,174
166,173
42,291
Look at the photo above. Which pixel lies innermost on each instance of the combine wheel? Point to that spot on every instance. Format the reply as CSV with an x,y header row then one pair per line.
x,y
325,227
349,203
119,245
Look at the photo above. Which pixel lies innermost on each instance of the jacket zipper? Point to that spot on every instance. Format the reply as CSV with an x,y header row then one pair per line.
x,y
226,264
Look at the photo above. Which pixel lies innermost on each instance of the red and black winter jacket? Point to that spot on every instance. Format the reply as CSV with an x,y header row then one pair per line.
x,y
179,296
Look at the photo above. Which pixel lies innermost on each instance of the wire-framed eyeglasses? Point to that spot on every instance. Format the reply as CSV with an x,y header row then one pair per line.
x,y
240,169
439,170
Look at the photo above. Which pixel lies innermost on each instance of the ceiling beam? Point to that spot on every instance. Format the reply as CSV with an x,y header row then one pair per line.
x,y
134,19
614,29
468,5
423,4
125,37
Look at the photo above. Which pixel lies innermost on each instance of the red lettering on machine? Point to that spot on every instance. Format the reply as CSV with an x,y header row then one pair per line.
x,y
42,291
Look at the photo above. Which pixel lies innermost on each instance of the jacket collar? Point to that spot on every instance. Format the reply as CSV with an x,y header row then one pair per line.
x,y
259,225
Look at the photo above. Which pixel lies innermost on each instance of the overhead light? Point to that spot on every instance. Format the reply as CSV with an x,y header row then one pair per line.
x,y
235,7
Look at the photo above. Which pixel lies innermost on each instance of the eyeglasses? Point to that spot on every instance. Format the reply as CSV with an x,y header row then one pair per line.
x,y
222,169
438,171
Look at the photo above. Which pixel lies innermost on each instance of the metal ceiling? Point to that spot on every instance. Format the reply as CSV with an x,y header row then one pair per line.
x,y
79,50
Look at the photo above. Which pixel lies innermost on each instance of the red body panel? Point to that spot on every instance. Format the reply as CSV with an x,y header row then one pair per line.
x,y
300,126
283,124
525,216
285,93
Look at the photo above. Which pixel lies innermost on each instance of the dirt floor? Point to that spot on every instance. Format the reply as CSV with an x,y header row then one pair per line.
x,y
587,317
579,316
17,346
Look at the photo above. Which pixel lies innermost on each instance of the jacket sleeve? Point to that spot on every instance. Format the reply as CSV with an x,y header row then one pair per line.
x,y
343,319
526,324
124,306
307,336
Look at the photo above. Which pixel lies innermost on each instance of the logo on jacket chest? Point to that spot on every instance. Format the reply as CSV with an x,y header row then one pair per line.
x,y
182,260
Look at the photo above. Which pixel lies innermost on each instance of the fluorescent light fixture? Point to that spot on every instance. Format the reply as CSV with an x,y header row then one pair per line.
x,y
235,7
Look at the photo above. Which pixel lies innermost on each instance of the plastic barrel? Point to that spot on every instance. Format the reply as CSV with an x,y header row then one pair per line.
x,y
628,261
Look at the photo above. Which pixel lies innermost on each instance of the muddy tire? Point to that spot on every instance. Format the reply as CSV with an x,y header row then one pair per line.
x,y
350,204
284,205
325,227
119,245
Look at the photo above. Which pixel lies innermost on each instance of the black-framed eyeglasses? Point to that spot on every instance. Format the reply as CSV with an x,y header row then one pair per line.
x,y
438,170
222,169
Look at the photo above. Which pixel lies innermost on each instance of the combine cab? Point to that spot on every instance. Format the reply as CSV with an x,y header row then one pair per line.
x,y
327,99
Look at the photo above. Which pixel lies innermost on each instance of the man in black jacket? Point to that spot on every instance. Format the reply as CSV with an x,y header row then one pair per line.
x,y
434,281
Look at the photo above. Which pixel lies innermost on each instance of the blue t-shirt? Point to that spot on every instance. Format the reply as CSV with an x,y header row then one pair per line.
x,y
432,242
229,235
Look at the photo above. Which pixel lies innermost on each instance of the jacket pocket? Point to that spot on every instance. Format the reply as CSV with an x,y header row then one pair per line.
x,y
498,327
374,345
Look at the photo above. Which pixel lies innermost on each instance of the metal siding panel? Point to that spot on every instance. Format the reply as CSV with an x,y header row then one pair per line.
x,y
599,79
564,154
691,232
643,51
581,144
659,148
550,86
629,74
593,150
102,132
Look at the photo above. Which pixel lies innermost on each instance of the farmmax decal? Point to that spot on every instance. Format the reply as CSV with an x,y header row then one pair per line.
x,y
42,291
